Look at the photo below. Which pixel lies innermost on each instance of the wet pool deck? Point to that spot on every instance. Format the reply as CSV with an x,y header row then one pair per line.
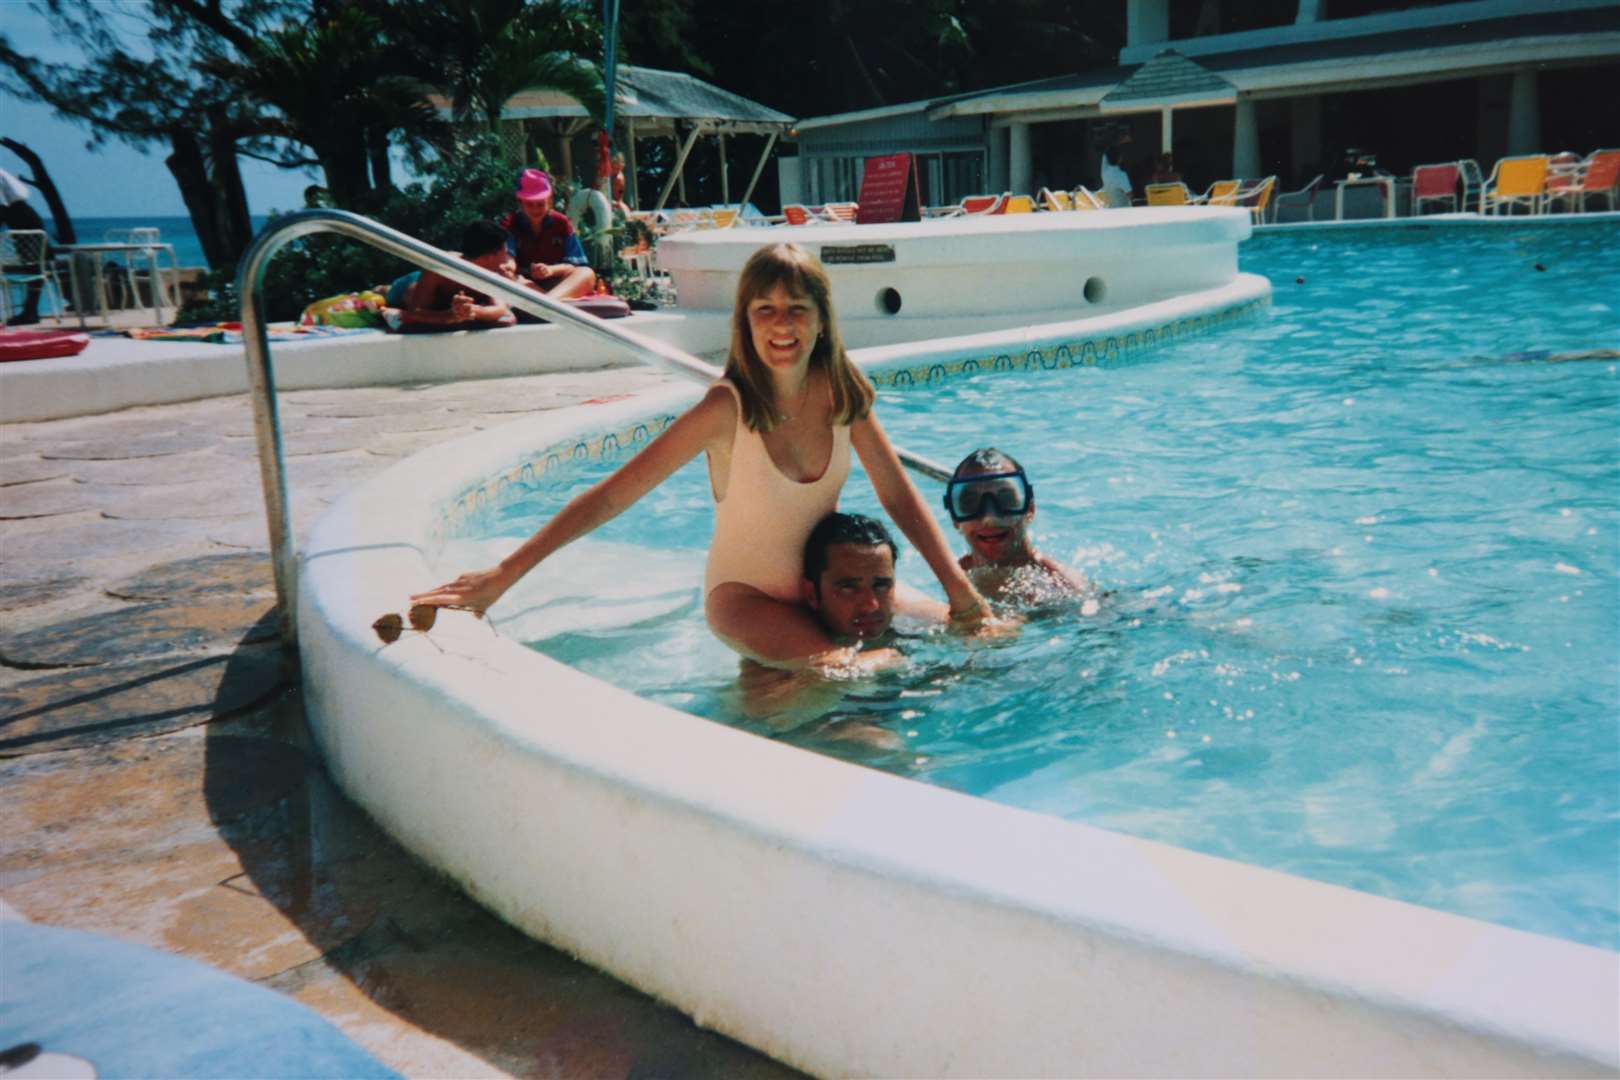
x,y
156,784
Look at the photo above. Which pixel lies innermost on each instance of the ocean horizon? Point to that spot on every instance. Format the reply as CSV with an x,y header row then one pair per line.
x,y
172,229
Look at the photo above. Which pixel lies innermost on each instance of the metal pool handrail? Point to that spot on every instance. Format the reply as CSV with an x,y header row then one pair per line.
x,y
262,383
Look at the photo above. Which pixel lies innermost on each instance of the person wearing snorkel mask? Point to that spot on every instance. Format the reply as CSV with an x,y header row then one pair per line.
x,y
992,504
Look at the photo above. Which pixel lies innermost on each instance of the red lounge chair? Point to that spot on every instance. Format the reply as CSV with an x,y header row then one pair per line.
x,y
1434,182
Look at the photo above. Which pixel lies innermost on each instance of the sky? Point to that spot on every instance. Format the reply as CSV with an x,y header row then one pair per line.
x,y
115,179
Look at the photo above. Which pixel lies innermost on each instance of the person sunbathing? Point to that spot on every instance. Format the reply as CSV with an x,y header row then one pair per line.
x,y
429,301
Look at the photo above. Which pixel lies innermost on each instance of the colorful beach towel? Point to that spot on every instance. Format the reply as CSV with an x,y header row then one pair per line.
x,y
230,333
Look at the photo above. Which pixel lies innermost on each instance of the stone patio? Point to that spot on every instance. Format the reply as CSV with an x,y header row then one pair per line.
x,y
156,782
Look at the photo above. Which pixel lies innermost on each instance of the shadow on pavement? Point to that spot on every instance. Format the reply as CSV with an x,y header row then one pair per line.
x,y
384,934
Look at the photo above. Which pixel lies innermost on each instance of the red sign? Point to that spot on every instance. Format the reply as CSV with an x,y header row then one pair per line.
x,y
889,191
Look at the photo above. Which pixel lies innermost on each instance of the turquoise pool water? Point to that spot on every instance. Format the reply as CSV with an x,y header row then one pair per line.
x,y
1364,556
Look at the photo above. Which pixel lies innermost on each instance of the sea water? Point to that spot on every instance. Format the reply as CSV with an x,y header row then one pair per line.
x,y
1360,616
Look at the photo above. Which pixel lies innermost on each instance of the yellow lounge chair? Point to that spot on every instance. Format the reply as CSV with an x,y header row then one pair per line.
x,y
1056,200
1173,194
1085,199
1257,196
1018,204
1517,180
1221,193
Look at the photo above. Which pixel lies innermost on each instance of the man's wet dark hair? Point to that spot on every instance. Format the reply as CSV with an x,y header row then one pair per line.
x,y
837,528
480,238
988,459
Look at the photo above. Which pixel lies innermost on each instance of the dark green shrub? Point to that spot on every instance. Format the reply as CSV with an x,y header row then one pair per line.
x,y
471,183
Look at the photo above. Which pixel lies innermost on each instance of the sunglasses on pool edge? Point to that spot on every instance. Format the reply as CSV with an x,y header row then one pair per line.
x,y
422,618
968,498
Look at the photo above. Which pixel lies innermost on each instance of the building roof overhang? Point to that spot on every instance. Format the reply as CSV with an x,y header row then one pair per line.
x,y
1313,65
657,102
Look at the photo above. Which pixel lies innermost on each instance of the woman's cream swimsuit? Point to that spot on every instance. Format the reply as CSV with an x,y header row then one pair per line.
x,y
762,523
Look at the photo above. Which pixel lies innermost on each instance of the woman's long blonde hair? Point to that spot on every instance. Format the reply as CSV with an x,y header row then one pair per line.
x,y
801,274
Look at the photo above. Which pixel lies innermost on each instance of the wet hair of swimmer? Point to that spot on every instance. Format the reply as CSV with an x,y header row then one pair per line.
x,y
479,238
989,460
839,528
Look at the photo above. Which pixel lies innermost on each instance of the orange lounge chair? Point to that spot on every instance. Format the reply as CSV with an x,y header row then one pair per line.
x,y
1516,180
1017,204
797,214
1598,174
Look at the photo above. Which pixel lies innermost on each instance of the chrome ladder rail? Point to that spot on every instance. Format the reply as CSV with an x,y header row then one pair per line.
x,y
262,383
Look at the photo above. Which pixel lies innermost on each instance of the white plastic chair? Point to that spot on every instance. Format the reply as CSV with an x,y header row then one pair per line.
x,y
138,272
25,260
1473,181
1304,198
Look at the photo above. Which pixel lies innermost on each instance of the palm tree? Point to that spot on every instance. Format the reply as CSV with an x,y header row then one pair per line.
x,y
483,52
338,87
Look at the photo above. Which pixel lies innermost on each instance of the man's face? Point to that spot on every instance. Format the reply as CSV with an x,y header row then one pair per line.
x,y
500,261
855,596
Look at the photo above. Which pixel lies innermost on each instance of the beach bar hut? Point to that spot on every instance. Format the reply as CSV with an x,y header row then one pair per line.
x,y
653,104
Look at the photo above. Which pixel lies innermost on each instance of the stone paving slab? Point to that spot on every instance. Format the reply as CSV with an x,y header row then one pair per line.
x,y
102,703
20,593
105,447
51,498
157,786
31,470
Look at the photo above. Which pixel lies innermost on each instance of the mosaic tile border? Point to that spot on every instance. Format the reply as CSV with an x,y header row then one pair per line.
x,y
1120,349
556,462
474,506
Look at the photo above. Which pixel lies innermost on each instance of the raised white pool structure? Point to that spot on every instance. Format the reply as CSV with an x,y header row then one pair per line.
x,y
851,922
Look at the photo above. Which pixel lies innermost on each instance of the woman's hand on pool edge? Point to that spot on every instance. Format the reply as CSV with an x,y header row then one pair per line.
x,y
475,591
977,620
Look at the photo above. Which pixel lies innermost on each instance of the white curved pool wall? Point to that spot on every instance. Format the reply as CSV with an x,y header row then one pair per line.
x,y
954,276
852,922
116,373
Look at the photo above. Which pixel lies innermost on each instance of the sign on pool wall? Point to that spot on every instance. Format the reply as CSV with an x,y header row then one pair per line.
x,y
889,191
857,253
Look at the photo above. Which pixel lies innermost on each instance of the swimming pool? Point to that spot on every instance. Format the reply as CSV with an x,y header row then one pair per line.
x,y
1363,554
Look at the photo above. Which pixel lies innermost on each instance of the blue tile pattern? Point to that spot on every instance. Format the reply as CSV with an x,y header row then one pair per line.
x,y
553,466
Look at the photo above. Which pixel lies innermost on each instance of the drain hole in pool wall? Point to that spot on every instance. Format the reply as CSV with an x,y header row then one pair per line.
x,y
1095,290
888,301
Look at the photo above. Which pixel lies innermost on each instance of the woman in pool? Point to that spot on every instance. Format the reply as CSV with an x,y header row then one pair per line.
x,y
777,431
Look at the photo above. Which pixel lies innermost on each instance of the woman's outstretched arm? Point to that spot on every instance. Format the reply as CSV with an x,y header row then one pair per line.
x,y
706,425
905,506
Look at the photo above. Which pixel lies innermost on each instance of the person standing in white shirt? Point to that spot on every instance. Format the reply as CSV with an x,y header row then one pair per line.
x,y
1116,182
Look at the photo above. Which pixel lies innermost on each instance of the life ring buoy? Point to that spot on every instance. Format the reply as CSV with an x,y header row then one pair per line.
x,y
41,344
592,202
